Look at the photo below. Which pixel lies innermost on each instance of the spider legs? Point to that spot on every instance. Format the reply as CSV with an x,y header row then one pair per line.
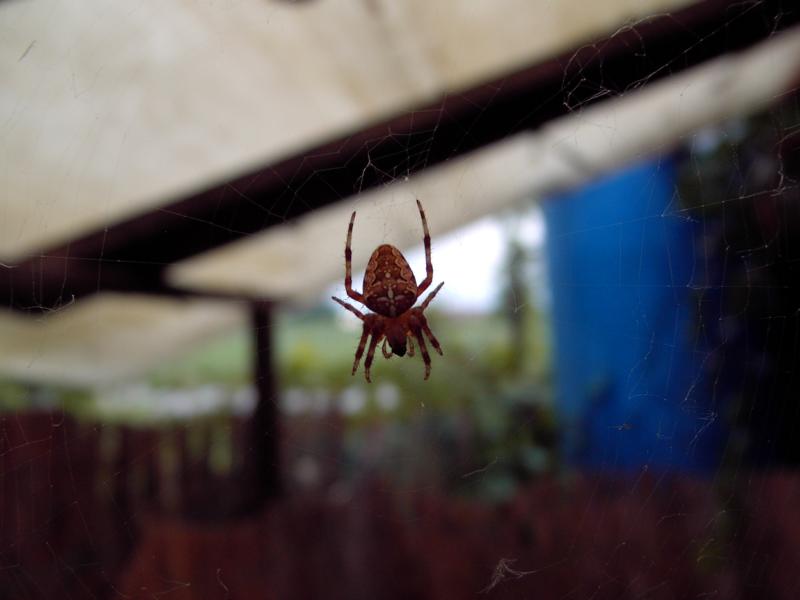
x,y
426,358
373,327
360,350
426,240
374,330
348,269
431,296
434,341
370,328
418,328
376,337
410,345
349,307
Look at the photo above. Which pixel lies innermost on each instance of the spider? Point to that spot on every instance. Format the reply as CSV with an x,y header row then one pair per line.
x,y
390,290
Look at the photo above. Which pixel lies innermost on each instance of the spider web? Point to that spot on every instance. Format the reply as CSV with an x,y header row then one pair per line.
x,y
478,482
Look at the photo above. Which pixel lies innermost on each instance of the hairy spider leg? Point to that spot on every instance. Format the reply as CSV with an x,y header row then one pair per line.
x,y
370,327
364,332
376,337
426,240
430,297
348,271
386,354
410,345
426,358
429,333
349,307
360,350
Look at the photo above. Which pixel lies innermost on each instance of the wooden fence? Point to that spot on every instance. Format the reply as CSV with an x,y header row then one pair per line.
x,y
108,511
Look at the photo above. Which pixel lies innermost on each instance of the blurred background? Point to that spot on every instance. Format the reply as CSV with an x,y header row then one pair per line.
x,y
612,194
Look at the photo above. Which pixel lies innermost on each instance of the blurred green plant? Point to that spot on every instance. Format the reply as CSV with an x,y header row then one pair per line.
x,y
13,396
16,396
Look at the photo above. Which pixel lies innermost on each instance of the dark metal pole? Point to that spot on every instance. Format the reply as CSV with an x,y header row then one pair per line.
x,y
264,473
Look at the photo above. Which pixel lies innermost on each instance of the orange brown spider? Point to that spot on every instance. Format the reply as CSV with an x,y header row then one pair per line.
x,y
390,290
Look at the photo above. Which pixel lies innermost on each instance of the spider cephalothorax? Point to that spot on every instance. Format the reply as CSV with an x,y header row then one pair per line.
x,y
390,291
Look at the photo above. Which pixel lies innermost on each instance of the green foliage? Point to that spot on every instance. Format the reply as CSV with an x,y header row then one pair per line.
x,y
13,396
225,361
16,396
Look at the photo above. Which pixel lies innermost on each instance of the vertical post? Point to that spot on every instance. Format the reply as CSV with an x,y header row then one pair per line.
x,y
264,456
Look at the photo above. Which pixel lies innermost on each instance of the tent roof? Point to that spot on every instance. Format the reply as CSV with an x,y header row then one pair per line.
x,y
299,259
111,111
138,143
108,337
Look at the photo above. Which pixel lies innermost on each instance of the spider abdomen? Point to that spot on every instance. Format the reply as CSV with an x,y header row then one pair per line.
x,y
390,288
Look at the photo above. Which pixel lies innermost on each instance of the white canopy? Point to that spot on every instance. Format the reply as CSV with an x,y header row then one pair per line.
x,y
111,110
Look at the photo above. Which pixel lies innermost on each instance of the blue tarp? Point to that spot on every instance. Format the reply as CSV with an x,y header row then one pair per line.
x,y
632,388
